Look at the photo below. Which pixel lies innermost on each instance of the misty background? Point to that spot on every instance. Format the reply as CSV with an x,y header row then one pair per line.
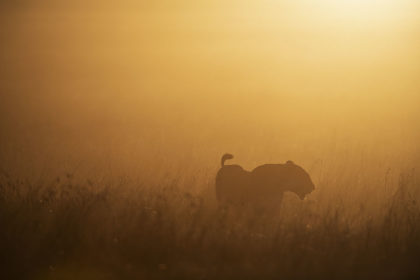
x,y
134,88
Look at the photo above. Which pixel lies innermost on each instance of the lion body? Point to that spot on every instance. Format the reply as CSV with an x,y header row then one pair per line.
x,y
262,187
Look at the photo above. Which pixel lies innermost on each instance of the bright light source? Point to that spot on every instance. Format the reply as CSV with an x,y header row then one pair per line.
x,y
363,9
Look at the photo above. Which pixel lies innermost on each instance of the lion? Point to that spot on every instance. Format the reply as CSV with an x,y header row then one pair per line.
x,y
261,188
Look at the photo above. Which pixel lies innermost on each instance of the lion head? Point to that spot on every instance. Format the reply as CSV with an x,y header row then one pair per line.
x,y
298,180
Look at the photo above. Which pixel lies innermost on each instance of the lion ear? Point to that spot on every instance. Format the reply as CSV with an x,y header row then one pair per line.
x,y
289,162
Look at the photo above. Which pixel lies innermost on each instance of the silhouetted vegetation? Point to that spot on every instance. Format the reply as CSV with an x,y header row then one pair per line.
x,y
65,229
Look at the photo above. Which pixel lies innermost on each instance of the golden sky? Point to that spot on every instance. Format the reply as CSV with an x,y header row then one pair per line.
x,y
213,68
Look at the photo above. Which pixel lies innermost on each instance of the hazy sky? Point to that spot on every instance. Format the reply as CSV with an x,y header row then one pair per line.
x,y
210,72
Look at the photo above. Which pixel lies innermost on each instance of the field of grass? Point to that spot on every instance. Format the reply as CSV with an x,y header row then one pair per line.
x,y
73,228
114,116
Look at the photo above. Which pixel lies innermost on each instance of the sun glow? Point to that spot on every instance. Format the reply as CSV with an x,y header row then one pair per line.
x,y
365,10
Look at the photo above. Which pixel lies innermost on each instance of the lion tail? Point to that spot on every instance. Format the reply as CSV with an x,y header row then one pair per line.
x,y
226,157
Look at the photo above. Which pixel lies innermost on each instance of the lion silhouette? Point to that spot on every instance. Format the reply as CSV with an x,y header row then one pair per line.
x,y
261,188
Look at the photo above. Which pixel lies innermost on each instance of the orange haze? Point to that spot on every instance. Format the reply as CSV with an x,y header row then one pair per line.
x,y
106,87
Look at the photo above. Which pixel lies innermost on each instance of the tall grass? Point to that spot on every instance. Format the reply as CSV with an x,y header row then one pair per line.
x,y
69,229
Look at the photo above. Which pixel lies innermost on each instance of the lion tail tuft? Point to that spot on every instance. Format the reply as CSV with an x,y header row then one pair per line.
x,y
226,157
